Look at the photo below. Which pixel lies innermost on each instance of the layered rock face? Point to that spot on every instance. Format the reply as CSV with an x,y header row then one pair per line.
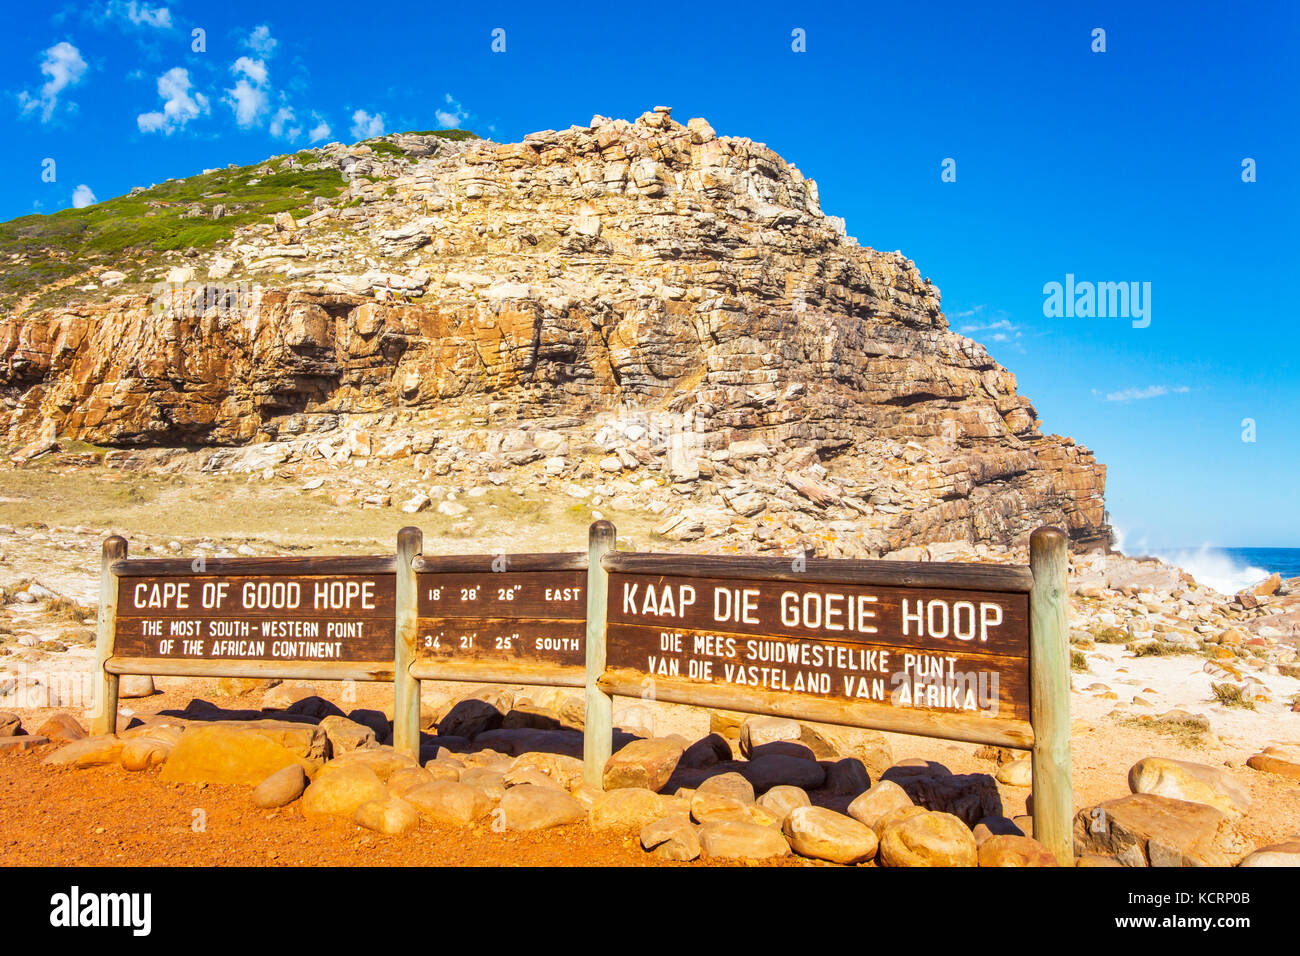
x,y
677,298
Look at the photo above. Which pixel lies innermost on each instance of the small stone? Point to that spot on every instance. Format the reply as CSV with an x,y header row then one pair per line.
x,y
772,770
98,751
346,735
729,784
527,807
647,764
780,800
142,753
448,801
734,840
672,838
929,839
1194,782
1278,854
10,725
1006,850
61,727
1017,773
135,685
390,816
281,788
338,790
823,834
884,798
628,808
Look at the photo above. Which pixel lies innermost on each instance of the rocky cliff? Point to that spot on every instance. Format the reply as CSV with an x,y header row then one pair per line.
x,y
641,303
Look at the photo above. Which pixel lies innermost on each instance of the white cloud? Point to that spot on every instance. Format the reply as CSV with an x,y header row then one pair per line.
x,y
64,66
320,131
83,197
250,97
365,126
141,14
261,42
284,124
179,107
453,116
1149,391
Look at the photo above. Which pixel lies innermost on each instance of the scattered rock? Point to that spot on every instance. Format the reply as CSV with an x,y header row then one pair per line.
x,y
448,801
734,840
647,764
528,807
928,839
1149,830
390,816
339,789
672,838
1193,782
823,834
243,752
1007,850
98,751
280,788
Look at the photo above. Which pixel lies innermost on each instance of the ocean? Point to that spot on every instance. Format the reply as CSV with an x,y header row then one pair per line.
x,y
1228,570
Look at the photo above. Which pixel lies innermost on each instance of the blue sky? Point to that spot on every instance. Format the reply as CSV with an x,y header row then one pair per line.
x,y
1115,166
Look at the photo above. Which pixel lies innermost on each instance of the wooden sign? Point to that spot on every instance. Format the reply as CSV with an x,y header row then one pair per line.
x,y
510,618
230,616
842,641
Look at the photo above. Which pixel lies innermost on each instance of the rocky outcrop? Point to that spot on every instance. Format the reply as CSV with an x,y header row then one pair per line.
x,y
640,269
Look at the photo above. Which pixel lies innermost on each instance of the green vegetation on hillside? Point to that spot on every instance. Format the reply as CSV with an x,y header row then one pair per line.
x,y
173,215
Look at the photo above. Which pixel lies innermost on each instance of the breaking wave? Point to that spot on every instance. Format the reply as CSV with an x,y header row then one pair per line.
x,y
1215,568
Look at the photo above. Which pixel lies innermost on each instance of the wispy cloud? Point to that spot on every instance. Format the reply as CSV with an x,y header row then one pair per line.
x,y
261,42
179,105
139,14
64,67
992,328
250,97
1137,394
453,115
320,131
367,126
82,197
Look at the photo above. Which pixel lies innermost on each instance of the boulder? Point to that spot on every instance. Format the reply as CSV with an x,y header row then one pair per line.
x,y
757,731
631,808
730,784
846,777
773,770
672,838
346,735
780,800
142,753
10,725
1278,854
1144,829
401,782
339,789
735,840
1007,850
706,752
384,761
491,783
969,796
928,839
448,801
822,834
1193,782
135,685
98,751
528,807
280,788
1282,761
706,806
390,816
647,764
562,770
884,798
1017,773
61,727
242,752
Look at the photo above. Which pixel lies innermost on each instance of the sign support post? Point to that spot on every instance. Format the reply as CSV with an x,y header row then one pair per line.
x,y
104,718
598,726
406,689
1049,690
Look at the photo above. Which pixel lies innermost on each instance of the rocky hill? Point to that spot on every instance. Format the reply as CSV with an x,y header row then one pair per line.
x,y
640,311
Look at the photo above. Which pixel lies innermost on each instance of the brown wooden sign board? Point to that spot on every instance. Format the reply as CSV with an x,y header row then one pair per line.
x,y
839,641
243,616
512,618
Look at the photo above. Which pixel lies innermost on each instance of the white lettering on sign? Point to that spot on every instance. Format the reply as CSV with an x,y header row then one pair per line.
x,y
344,595
834,612
658,602
174,595
939,619
276,595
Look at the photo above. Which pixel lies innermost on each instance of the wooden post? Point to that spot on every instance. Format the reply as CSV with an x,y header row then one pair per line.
x,y
598,727
406,689
1049,693
103,719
